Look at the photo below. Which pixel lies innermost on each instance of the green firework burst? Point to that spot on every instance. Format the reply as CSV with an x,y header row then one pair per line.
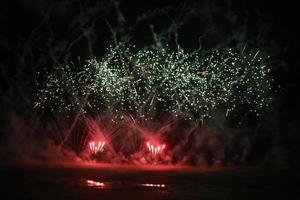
x,y
144,82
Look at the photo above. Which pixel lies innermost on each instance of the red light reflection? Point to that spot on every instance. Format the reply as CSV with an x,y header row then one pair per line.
x,y
92,183
154,185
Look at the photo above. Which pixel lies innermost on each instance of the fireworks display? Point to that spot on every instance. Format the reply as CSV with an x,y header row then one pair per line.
x,y
155,149
141,84
96,147
147,81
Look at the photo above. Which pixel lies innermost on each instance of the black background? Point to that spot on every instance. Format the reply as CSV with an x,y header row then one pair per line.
x,y
271,25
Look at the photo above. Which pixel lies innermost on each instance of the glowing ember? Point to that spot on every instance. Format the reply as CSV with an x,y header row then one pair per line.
x,y
154,185
155,149
94,183
96,147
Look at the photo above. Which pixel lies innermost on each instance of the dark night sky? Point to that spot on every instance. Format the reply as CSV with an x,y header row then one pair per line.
x,y
19,18
46,155
23,42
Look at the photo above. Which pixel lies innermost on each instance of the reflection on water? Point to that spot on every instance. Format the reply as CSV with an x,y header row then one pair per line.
x,y
73,183
92,183
153,185
117,184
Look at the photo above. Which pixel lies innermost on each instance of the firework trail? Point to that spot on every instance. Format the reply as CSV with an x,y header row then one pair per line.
x,y
155,149
96,148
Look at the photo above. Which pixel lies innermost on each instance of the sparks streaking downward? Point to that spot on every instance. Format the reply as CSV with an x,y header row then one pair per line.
x,y
96,147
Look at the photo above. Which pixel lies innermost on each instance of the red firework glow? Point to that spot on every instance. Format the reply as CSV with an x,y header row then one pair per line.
x,y
96,147
155,149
